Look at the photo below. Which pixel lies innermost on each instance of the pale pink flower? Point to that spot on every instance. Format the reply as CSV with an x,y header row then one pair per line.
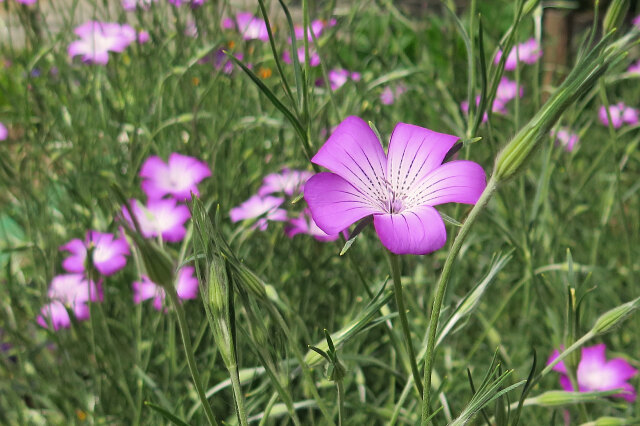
x,y
528,52
263,209
186,288
97,39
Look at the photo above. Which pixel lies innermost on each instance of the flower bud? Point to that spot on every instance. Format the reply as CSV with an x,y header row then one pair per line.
x,y
558,398
607,421
615,316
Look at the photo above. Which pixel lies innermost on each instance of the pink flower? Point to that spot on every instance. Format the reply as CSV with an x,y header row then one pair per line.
x,y
4,132
304,224
636,21
107,253
262,208
337,78
249,26
179,177
186,287
163,217
620,114
565,138
595,373
389,94
97,39
634,68
143,37
72,291
398,189
529,52
287,181
27,2
131,5
314,58
317,28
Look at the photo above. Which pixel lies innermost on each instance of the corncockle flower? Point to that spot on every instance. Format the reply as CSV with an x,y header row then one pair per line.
x,y
528,52
389,95
595,373
163,217
72,291
107,253
143,37
263,208
27,2
193,3
249,26
398,189
634,68
565,138
304,224
4,132
178,178
131,5
287,181
186,288
221,61
636,21
337,78
317,27
507,90
620,114
314,58
97,39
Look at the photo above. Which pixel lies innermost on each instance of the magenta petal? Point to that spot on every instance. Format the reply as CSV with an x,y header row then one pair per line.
x,y
565,382
354,153
335,203
143,290
187,287
593,358
454,182
413,153
54,314
629,393
75,262
621,369
559,367
419,230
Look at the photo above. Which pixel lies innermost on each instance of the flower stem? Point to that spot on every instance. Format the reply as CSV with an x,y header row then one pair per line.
x,y
440,291
188,349
340,402
402,313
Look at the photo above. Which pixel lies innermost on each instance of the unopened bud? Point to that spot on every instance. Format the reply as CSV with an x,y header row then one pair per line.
x,y
615,15
614,317
561,398
607,421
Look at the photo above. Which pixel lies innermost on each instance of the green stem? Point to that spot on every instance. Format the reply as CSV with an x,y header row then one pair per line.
x,y
440,291
340,402
237,391
402,313
188,349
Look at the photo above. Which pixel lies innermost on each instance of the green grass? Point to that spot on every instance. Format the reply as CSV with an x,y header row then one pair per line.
x,y
569,221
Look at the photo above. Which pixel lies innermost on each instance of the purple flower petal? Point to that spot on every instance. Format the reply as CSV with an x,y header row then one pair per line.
x,y
454,182
565,382
413,153
335,203
143,290
75,262
187,287
419,230
354,153
179,177
54,314
559,367
108,254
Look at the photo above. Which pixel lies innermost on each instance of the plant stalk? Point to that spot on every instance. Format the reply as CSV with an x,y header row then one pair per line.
x,y
441,287
402,313
188,349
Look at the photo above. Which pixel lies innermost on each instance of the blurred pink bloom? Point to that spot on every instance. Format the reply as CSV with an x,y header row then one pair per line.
x,y
179,177
304,224
314,58
634,68
73,291
317,28
636,21
107,253
194,3
287,181
337,78
4,132
132,5
620,114
27,2
389,95
97,39
262,208
249,26
186,287
507,90
565,138
221,61
143,37
161,217
529,52
595,373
